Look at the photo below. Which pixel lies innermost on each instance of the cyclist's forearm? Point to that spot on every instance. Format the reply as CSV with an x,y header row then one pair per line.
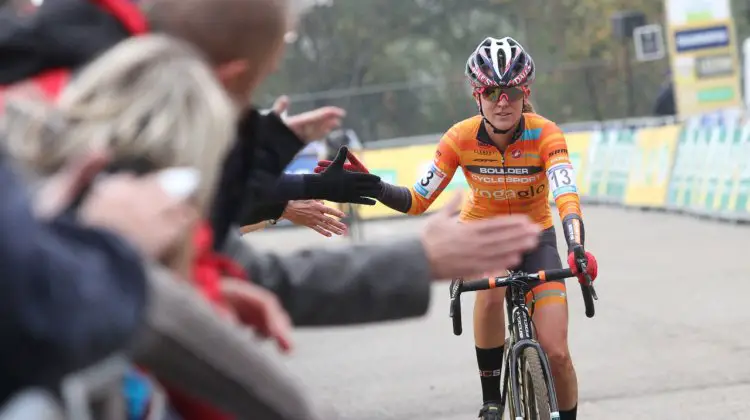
x,y
395,197
573,229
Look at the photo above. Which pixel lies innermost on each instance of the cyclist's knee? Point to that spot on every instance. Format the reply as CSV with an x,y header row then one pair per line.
x,y
559,356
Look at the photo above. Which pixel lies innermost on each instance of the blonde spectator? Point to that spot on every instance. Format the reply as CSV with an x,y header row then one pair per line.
x,y
149,97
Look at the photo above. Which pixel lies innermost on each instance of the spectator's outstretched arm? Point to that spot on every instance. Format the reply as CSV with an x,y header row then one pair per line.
x,y
264,147
69,295
355,284
186,344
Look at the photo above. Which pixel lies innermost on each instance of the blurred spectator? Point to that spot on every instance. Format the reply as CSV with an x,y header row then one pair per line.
x,y
265,144
58,307
151,97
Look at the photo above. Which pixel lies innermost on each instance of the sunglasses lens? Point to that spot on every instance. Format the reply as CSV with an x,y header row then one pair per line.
x,y
514,94
493,94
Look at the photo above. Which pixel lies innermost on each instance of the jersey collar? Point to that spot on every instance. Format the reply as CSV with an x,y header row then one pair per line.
x,y
484,137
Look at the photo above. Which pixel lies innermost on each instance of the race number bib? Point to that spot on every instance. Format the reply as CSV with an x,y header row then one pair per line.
x,y
430,182
562,180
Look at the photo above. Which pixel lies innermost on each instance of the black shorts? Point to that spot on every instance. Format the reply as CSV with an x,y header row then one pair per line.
x,y
544,257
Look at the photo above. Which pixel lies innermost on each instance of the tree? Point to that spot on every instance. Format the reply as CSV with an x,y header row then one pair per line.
x,y
397,65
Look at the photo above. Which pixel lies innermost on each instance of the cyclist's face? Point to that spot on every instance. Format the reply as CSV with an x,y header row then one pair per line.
x,y
502,106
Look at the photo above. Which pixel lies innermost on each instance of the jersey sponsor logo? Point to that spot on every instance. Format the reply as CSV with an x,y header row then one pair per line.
x,y
483,145
484,160
507,170
484,152
574,232
557,159
562,180
505,179
438,154
558,152
515,154
508,194
430,182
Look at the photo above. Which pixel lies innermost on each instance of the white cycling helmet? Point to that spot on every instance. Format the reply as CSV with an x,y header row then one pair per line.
x,y
500,62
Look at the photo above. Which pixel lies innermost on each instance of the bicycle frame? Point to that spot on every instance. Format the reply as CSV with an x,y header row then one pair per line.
x,y
522,335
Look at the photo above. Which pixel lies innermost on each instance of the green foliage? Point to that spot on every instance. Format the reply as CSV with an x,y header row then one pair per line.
x,y
405,59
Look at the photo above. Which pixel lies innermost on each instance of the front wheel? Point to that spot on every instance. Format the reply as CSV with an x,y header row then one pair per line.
x,y
536,404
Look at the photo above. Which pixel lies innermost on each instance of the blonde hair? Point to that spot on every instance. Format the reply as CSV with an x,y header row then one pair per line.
x,y
528,107
148,97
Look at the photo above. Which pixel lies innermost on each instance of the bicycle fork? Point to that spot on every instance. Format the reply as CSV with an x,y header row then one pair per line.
x,y
521,337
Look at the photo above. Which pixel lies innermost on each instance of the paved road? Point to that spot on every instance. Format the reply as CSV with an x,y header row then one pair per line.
x,y
670,339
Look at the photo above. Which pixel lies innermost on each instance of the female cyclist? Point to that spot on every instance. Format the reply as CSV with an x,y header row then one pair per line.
x,y
511,158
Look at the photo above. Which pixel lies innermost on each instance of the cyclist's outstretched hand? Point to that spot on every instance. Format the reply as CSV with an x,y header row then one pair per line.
x,y
316,216
335,183
469,249
592,266
354,165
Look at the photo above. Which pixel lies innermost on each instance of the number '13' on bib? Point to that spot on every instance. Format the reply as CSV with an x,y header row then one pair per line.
x,y
562,180
430,182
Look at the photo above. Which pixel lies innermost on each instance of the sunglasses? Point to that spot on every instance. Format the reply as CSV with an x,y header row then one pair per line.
x,y
494,93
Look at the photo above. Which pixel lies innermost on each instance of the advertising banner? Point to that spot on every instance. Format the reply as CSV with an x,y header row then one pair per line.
x,y
578,151
651,165
608,166
403,166
739,168
679,192
704,56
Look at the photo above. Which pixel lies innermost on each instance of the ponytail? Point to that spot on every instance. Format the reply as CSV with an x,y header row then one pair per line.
x,y
528,108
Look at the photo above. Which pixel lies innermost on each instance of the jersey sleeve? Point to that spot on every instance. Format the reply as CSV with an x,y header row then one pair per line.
x,y
562,182
438,175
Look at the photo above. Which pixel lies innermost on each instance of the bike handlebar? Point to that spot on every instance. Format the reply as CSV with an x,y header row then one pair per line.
x,y
458,286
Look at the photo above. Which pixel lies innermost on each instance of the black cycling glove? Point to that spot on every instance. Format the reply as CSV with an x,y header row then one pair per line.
x,y
341,186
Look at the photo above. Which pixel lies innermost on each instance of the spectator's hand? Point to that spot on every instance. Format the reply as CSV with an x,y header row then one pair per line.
x,y
58,193
140,210
471,248
311,125
314,214
259,309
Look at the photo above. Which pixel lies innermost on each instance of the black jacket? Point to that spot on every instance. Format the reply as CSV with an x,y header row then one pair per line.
x,y
69,295
67,34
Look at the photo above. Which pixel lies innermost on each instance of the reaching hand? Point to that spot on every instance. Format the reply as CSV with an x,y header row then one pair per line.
x,y
336,184
311,125
259,309
314,214
59,192
140,210
354,166
472,248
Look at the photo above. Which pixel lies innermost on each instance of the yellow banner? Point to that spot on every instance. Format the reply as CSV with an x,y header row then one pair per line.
x,y
578,150
404,166
648,178
704,56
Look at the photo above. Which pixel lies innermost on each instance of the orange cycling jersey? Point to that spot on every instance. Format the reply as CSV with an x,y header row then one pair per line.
x,y
516,181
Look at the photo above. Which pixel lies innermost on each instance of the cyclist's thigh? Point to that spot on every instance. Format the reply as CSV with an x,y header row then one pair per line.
x,y
544,257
